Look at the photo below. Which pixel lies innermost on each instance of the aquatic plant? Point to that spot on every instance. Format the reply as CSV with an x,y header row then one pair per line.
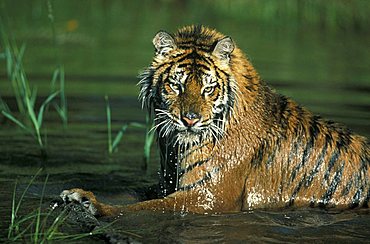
x,y
149,138
19,226
25,94
58,74
37,226
61,108
3,105
113,144
13,58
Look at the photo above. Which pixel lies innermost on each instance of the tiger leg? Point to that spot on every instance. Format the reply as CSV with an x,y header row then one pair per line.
x,y
89,201
181,201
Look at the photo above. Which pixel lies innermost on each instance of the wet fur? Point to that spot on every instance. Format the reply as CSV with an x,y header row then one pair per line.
x,y
268,152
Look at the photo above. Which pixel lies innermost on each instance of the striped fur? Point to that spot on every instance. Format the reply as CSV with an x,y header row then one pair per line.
x,y
250,147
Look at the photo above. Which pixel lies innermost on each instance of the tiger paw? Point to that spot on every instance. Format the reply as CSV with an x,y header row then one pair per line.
x,y
85,198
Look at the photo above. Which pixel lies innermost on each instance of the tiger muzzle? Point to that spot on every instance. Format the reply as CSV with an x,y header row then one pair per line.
x,y
190,119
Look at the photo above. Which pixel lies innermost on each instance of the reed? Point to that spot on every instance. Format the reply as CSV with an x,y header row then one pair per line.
x,y
35,227
13,58
31,118
113,143
61,108
149,138
58,75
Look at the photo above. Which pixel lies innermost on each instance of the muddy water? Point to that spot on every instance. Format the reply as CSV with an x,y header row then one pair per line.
x,y
103,46
77,157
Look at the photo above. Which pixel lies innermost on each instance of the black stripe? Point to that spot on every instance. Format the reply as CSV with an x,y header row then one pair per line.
x,y
230,98
365,162
203,66
348,187
184,65
206,178
191,167
319,162
271,157
293,152
191,56
305,156
366,201
284,114
344,139
314,128
195,56
356,198
296,191
332,161
333,186
258,156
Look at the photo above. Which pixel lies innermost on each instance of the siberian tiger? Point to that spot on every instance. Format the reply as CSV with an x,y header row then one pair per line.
x,y
229,143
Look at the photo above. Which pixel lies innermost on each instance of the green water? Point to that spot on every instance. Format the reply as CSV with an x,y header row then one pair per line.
x,y
104,44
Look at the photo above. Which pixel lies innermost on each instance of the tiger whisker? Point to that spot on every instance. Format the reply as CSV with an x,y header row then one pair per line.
x,y
157,125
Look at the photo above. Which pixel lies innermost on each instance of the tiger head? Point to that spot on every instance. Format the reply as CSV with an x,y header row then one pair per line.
x,y
189,85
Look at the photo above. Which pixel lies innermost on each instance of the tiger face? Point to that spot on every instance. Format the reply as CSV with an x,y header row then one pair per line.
x,y
190,87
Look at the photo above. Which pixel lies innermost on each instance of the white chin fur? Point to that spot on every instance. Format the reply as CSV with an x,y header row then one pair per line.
x,y
188,138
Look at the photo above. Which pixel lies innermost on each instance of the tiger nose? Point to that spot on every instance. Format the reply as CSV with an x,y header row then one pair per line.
x,y
190,119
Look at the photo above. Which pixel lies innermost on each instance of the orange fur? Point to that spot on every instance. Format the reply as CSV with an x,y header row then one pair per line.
x,y
269,151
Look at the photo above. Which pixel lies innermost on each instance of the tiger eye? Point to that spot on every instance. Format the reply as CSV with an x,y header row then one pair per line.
x,y
209,90
175,87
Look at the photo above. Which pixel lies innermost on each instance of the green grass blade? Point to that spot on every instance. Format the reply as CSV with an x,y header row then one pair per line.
x,y
54,78
38,217
32,117
52,230
109,124
43,106
63,99
22,234
28,217
3,106
137,125
24,192
119,136
149,138
16,121
33,97
13,216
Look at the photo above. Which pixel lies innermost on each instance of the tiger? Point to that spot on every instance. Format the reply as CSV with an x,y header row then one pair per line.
x,y
229,143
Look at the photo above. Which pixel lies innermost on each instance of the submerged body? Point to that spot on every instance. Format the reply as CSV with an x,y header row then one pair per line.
x,y
229,143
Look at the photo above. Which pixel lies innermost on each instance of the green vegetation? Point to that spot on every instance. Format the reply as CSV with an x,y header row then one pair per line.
x,y
59,71
113,144
33,225
25,95
149,138
30,120
37,226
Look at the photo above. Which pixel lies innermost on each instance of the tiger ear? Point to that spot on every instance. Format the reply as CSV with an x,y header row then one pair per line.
x,y
163,43
224,48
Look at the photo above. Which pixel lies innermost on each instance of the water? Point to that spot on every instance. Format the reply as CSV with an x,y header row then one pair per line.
x,y
103,45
